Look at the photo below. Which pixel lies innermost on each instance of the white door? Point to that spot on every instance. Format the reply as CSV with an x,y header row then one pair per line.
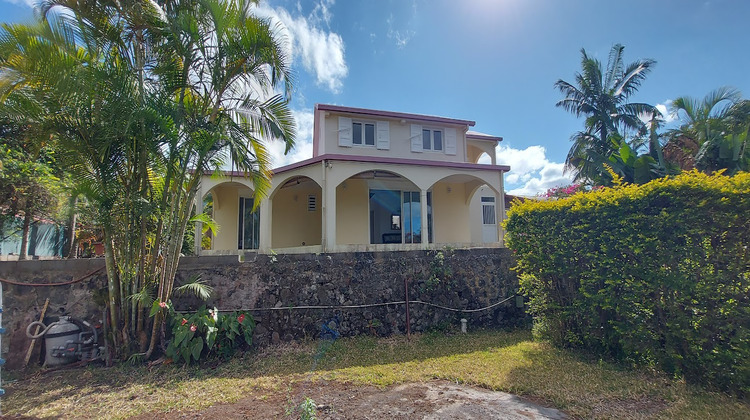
x,y
489,220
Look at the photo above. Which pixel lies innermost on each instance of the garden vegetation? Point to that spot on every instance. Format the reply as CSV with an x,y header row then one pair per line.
x,y
140,99
655,274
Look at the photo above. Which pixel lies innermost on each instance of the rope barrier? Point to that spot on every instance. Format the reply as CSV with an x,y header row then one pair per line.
x,y
284,308
85,276
369,305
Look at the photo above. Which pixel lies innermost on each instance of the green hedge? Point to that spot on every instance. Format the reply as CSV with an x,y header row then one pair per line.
x,y
656,274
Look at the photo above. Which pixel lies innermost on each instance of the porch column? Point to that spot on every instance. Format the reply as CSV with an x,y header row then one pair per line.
x,y
500,209
198,225
425,224
266,219
329,211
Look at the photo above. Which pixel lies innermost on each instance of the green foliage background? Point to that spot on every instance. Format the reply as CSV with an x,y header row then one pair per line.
x,y
656,273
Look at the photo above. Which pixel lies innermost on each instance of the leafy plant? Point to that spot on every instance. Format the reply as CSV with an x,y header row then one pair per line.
x,y
440,273
235,331
308,410
207,332
657,274
143,99
563,192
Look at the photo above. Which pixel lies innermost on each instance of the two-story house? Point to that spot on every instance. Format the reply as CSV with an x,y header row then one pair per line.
x,y
378,180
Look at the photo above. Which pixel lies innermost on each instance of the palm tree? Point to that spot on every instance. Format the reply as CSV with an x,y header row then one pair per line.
x,y
601,96
227,63
718,124
145,99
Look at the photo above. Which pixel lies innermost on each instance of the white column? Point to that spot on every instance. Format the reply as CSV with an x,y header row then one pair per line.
x,y
328,210
423,209
500,209
266,220
198,225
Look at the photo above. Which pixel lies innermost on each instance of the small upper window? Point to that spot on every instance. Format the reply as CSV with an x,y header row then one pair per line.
x,y
432,139
363,133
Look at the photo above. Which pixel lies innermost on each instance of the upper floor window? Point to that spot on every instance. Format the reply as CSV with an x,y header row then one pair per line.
x,y
432,139
363,133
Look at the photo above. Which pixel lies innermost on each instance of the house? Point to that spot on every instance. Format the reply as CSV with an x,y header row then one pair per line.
x,y
46,239
378,180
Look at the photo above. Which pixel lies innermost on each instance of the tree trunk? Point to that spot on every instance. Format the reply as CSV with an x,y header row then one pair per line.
x,y
113,284
70,230
25,235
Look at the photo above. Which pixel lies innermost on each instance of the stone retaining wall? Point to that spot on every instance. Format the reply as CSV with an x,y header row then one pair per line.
x,y
271,285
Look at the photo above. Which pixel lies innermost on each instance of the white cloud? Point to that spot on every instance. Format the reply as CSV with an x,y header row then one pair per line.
x,y
321,51
402,36
549,177
663,107
322,11
531,172
303,147
30,3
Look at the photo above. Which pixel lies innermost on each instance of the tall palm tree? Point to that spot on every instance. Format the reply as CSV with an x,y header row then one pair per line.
x,y
718,124
146,97
601,96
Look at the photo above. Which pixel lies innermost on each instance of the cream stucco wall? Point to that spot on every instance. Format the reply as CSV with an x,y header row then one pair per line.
x,y
342,214
352,203
450,213
293,224
476,212
226,214
475,148
400,139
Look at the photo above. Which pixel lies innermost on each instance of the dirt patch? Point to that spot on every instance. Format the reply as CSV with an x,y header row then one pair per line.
x,y
334,400
644,408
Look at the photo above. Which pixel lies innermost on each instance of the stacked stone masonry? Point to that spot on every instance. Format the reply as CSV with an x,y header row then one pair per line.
x,y
461,279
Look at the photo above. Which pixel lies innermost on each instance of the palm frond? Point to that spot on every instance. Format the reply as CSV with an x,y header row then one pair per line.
x,y
195,286
208,223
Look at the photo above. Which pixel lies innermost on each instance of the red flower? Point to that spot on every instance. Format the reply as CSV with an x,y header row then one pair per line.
x,y
193,328
184,321
241,318
163,304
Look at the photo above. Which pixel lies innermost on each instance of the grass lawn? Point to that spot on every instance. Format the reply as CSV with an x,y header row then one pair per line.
x,y
495,360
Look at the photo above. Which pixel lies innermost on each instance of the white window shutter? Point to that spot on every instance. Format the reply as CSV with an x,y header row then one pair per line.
x,y
416,138
345,132
450,141
384,135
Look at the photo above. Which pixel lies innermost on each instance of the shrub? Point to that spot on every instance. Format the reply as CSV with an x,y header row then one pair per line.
x,y
657,273
206,332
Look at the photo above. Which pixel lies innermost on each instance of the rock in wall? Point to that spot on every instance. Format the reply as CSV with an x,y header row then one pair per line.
x,y
350,293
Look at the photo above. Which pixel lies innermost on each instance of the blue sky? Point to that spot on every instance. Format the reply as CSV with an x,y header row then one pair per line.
x,y
495,62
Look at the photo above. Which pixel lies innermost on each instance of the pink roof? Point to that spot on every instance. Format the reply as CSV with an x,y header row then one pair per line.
x,y
397,161
476,135
391,114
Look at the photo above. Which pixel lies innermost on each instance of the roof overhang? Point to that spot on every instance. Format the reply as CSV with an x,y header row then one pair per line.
x,y
473,135
391,114
392,161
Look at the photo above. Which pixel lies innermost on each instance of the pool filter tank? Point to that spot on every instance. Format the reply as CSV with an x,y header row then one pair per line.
x,y
68,340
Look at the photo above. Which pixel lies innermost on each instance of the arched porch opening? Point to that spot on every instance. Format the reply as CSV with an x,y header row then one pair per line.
x,y
457,218
484,159
381,207
296,215
478,152
231,207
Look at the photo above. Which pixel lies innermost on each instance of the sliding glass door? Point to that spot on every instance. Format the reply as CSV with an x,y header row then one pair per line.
x,y
396,217
249,225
